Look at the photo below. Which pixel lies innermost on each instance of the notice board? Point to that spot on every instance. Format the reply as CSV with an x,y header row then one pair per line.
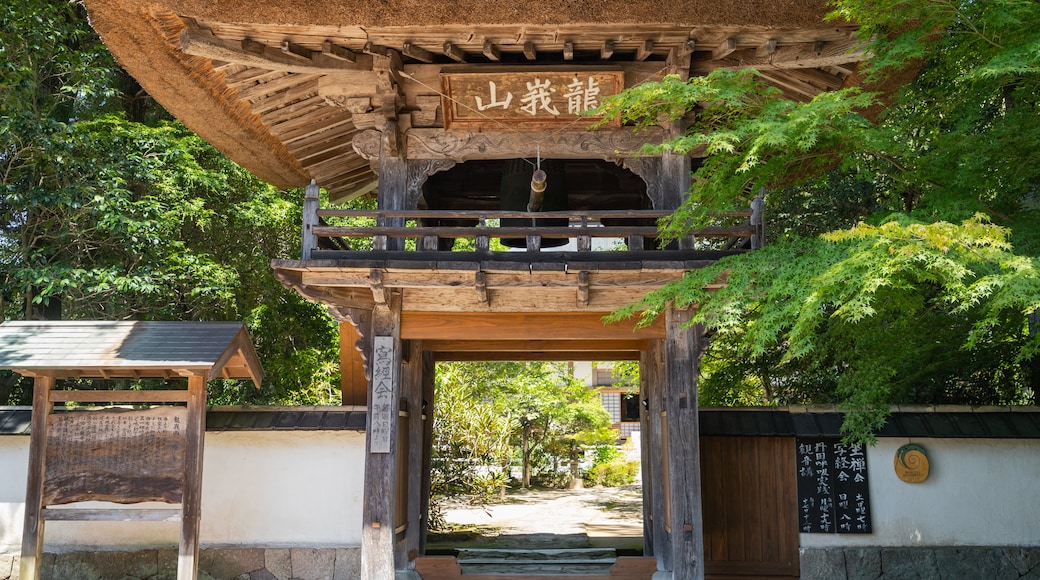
x,y
833,493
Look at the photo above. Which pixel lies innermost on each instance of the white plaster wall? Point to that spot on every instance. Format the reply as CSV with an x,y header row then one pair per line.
x,y
979,492
259,488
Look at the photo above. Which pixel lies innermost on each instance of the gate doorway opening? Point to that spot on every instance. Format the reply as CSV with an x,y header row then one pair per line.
x,y
534,456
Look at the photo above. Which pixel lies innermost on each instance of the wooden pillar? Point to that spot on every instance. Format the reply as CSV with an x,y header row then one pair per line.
x,y
428,379
683,347
393,183
32,530
308,239
378,517
412,387
191,502
654,492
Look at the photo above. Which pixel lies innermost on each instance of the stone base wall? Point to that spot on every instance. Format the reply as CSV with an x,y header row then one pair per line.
x,y
937,563
214,564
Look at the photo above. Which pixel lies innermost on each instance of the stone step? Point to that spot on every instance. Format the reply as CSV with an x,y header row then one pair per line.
x,y
574,562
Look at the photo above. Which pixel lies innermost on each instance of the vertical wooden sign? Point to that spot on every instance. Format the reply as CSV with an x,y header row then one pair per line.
x,y
383,407
833,492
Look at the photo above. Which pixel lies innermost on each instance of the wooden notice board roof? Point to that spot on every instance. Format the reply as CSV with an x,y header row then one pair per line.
x,y
129,349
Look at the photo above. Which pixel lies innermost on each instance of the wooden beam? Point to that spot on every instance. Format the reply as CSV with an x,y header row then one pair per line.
x,y
113,515
724,49
418,53
644,50
541,355
804,55
608,144
568,50
297,50
333,50
491,280
505,326
791,85
164,396
816,77
491,51
766,49
257,54
529,51
455,53
32,529
606,50
536,345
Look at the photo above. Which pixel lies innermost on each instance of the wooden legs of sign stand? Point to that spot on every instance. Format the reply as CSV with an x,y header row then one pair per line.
x,y
191,506
32,532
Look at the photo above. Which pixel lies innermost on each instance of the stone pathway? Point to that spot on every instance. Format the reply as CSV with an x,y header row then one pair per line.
x,y
536,519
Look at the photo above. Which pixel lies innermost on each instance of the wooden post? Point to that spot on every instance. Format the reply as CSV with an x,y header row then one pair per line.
x,y
428,378
393,182
652,372
676,170
191,503
309,239
683,346
646,452
32,530
377,525
412,387
758,219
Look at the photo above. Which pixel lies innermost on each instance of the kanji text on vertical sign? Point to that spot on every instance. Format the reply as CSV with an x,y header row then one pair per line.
x,y
383,404
833,494
527,99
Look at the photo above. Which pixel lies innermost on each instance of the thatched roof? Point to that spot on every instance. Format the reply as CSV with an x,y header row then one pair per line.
x,y
271,83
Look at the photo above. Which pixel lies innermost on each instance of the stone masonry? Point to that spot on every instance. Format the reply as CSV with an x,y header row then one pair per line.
x,y
214,564
938,563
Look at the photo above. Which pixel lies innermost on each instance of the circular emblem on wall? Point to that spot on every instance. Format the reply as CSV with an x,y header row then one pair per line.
x,y
911,463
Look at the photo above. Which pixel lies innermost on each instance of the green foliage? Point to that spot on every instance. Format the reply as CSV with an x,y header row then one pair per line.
x,y
612,474
481,412
105,218
922,297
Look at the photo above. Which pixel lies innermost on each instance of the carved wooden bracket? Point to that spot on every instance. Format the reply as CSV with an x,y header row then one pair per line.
x,y
650,170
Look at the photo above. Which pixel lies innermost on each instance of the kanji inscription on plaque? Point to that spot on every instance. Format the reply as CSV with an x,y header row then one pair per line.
x,y
548,98
383,406
122,456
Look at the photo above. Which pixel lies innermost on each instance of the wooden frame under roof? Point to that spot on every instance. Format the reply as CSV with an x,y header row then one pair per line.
x,y
286,88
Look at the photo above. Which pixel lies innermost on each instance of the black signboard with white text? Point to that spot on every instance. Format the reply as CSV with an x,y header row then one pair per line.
x,y
833,496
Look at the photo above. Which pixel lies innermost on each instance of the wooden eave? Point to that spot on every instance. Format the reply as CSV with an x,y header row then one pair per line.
x,y
104,349
284,88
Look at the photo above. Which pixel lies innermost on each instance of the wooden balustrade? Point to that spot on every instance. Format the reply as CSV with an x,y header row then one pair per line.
x,y
637,228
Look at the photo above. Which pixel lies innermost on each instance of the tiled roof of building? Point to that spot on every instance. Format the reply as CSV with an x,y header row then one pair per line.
x,y
92,348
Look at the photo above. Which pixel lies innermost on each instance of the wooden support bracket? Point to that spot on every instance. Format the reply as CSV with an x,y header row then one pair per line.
x,y
481,286
583,289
